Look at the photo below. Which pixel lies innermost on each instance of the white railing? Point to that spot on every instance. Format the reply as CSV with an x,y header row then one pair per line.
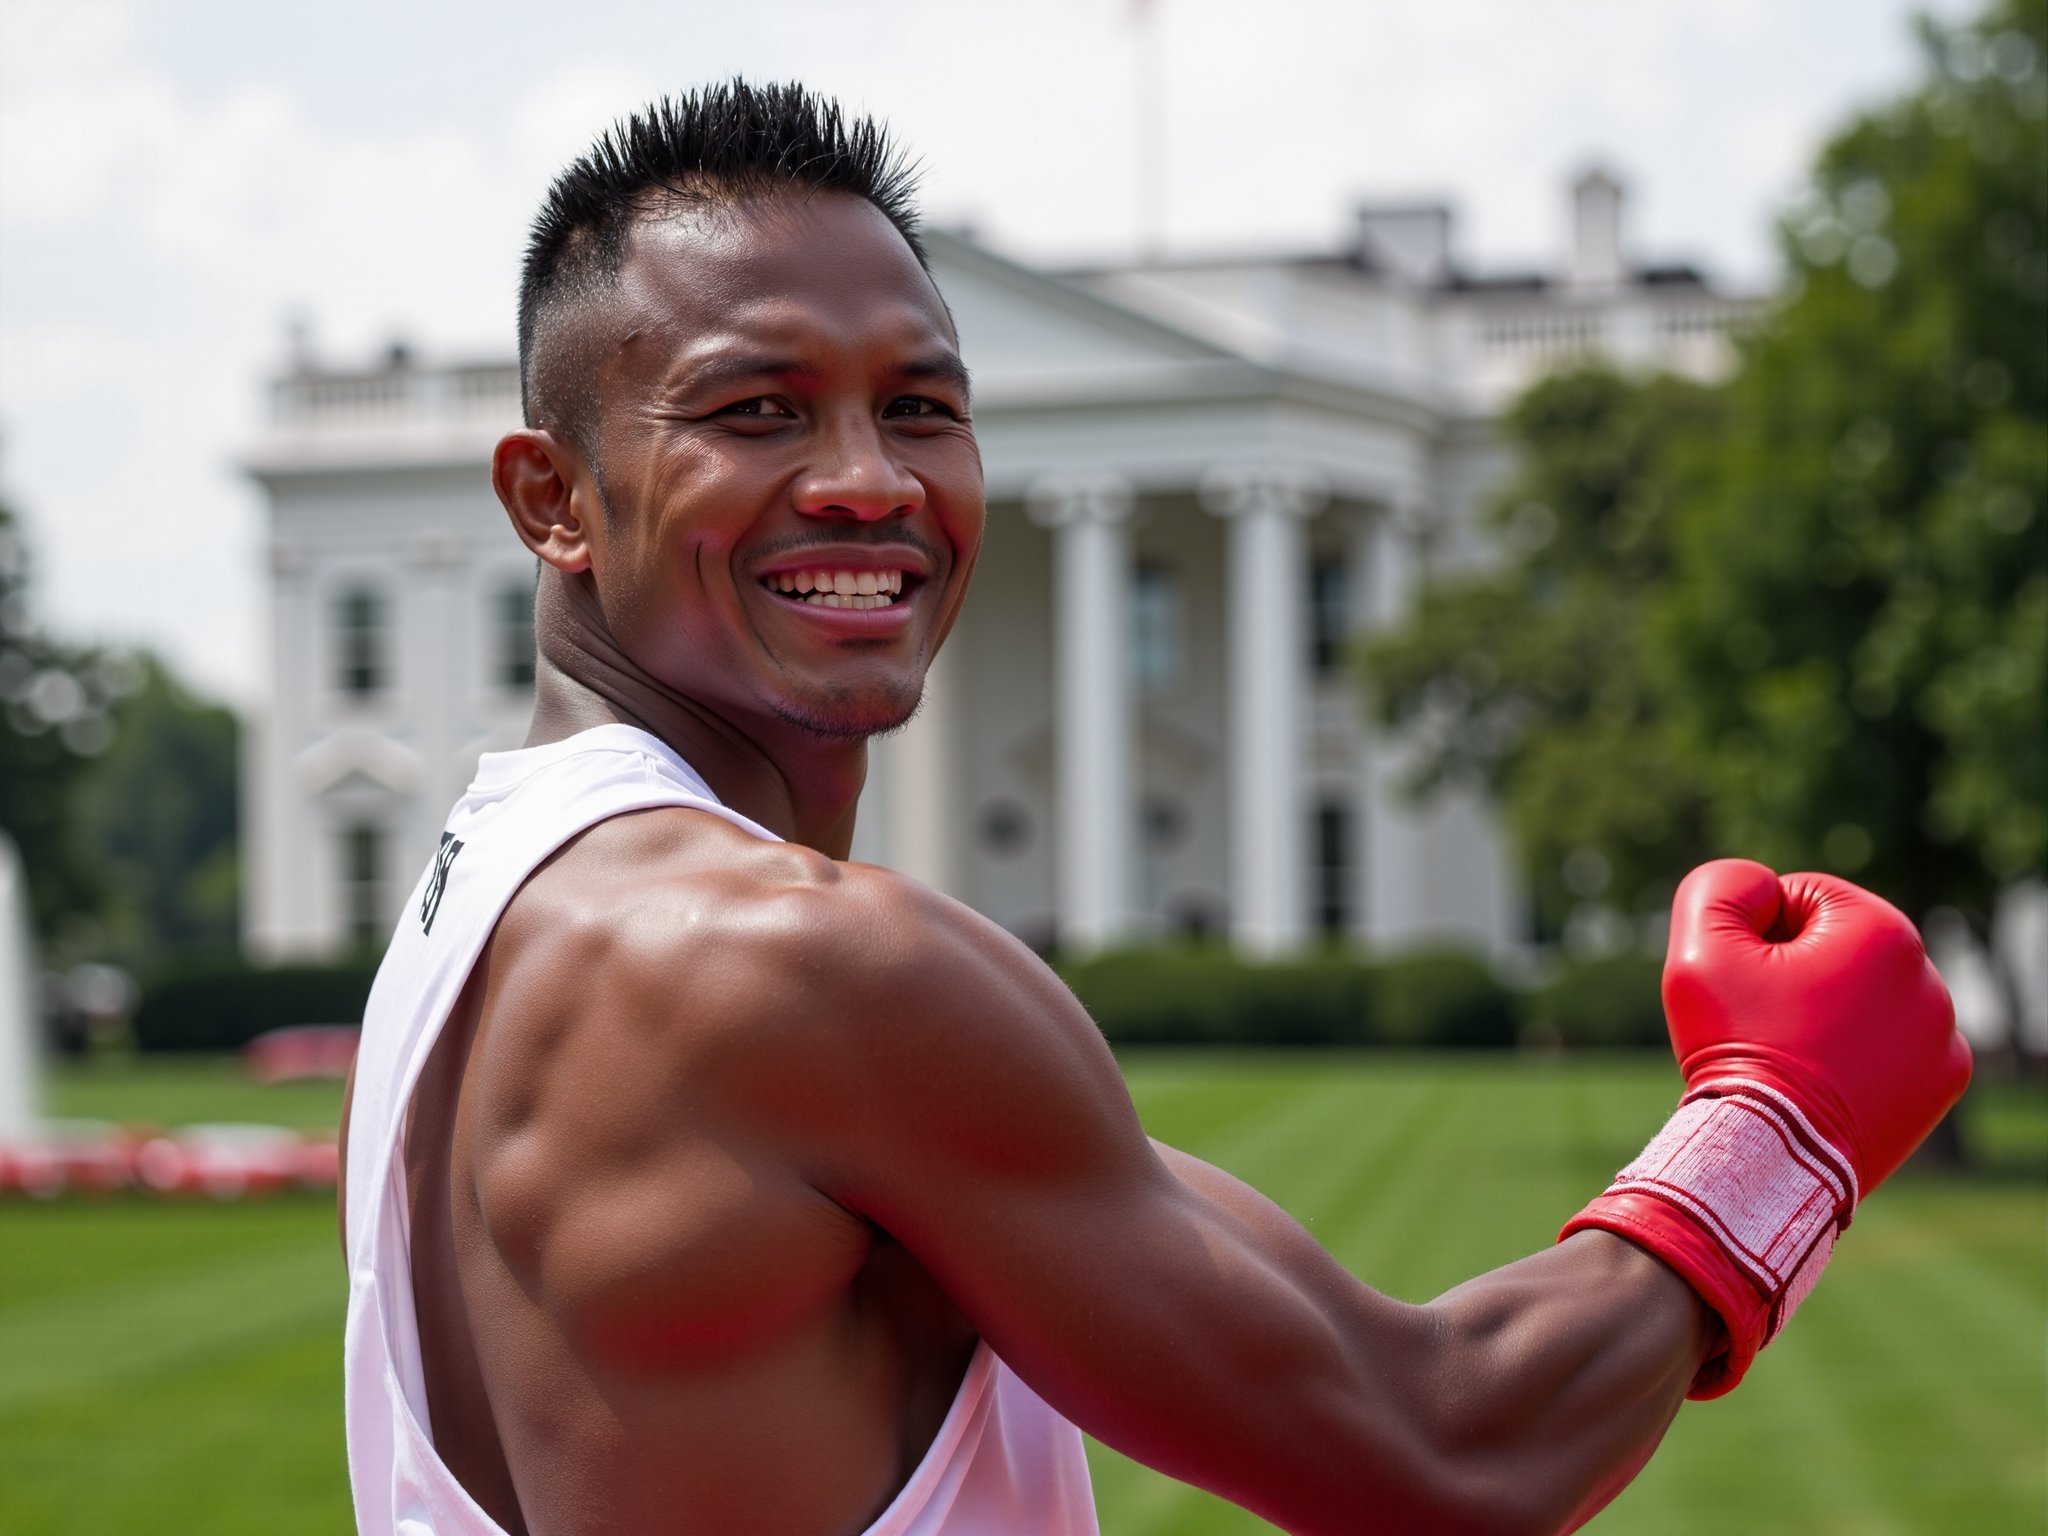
x,y
1726,321
1556,333
396,396
1548,332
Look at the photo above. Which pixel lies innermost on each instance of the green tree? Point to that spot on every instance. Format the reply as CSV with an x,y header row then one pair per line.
x,y
1854,638
54,706
1530,679
158,814
119,789
1804,618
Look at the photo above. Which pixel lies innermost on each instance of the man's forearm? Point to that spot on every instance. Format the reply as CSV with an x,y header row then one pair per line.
x,y
1564,1369
1541,1387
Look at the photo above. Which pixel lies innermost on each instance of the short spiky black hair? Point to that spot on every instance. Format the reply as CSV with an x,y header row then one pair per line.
x,y
721,145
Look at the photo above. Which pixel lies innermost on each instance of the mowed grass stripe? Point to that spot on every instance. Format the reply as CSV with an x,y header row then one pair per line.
x,y
69,1248
1204,1092
1945,1300
1922,1348
1356,1148
1387,1206
1774,1459
1187,1113
1345,1136
1306,1144
1286,1129
1889,1403
150,1326
186,1090
1888,1332
1798,1401
247,1446
1607,1117
1406,1225
1133,1500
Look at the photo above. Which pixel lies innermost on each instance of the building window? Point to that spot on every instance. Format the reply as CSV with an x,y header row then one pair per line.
x,y
362,886
512,623
1166,824
1005,829
362,632
1329,615
1333,868
1157,614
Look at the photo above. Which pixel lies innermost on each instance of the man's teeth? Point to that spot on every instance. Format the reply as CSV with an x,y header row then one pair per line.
x,y
840,589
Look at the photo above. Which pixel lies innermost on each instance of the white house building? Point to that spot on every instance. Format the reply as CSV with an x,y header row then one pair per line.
x,y
1204,478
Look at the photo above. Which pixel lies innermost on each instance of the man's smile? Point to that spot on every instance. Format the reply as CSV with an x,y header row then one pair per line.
x,y
868,588
825,588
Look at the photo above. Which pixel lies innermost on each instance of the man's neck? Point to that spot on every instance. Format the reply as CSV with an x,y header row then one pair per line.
x,y
802,788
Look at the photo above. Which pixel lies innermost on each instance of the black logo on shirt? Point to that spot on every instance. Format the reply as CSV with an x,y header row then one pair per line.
x,y
437,881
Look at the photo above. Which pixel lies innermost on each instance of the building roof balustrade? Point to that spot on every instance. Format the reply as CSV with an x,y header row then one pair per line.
x,y
395,395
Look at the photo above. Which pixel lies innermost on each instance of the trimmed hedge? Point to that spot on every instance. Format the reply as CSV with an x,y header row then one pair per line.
x,y
1443,1000
1194,998
223,1007
1601,1005
1438,999
1212,997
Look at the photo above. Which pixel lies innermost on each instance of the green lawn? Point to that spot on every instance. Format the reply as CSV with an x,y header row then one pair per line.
x,y
176,1367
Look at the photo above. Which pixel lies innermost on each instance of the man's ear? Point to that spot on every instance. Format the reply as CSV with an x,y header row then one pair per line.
x,y
535,475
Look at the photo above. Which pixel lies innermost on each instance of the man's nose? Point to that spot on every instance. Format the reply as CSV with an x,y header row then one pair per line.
x,y
856,474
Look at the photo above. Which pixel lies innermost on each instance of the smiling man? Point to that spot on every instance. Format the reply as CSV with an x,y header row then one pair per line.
x,y
700,1181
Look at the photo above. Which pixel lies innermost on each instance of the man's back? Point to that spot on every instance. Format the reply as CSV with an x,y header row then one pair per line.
x,y
719,1342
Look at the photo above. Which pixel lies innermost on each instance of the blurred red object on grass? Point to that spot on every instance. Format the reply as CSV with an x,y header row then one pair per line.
x,y
302,1051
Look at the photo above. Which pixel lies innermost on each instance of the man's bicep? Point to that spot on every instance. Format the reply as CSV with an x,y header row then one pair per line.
x,y
1003,1152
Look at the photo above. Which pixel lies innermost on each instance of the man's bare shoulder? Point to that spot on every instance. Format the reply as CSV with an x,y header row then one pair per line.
x,y
670,999
675,942
653,888
640,897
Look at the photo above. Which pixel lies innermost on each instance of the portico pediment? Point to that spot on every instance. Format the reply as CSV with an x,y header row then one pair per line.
x,y
353,764
1021,329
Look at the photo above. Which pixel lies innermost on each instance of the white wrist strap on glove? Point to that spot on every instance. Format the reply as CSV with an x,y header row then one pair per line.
x,y
1742,1160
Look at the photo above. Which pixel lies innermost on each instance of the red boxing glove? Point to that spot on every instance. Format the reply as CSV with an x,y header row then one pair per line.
x,y
1819,1048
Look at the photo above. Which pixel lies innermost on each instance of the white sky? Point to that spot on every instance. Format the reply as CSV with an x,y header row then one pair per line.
x,y
177,176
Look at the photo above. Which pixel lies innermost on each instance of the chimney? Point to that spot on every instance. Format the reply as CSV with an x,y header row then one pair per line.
x,y
1596,231
1413,241
299,350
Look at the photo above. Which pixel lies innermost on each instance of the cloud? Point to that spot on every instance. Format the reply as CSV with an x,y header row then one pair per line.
x,y
61,359
559,119
75,107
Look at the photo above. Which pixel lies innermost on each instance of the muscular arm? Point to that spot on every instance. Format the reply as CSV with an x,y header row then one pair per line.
x,y
1548,1378
913,1065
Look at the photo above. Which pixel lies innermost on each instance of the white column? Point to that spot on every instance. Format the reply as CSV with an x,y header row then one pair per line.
x,y
918,778
21,1064
1267,581
1397,879
279,920
433,651
873,821
1093,747
1363,571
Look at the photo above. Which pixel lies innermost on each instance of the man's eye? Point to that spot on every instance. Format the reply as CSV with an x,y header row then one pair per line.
x,y
760,408
917,407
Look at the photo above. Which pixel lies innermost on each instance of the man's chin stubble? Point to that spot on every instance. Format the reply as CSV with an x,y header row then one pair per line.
x,y
847,718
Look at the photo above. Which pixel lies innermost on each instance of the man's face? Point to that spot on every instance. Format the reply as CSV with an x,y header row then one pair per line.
x,y
784,418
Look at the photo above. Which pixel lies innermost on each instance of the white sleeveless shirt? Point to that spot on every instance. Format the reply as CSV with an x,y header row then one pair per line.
x,y
1002,1462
